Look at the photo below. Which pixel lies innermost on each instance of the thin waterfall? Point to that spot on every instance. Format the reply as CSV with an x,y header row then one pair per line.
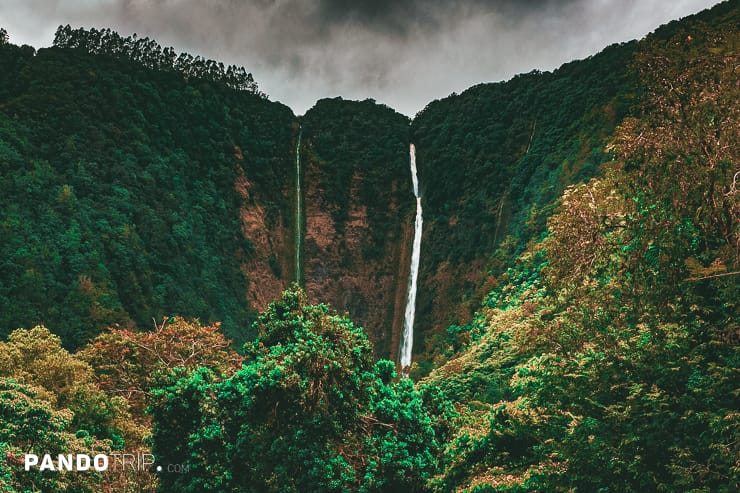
x,y
298,208
407,341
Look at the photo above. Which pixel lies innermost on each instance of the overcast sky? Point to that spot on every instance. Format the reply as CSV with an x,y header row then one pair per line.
x,y
404,53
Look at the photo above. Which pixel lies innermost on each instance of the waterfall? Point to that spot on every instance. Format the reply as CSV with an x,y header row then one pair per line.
x,y
408,321
298,207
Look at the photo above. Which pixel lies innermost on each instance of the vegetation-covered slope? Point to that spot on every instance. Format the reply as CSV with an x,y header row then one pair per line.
x,y
603,357
118,190
607,357
491,162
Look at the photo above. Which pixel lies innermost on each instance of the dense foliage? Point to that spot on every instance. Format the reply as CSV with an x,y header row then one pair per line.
x,y
491,162
308,412
600,201
117,191
613,366
29,421
131,364
54,402
50,403
148,53
501,153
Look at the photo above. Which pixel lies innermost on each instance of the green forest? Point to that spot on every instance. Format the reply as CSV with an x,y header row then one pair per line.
x,y
117,187
579,290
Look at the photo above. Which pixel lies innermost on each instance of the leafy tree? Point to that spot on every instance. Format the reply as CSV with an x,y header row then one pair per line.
x,y
309,411
132,364
36,358
31,424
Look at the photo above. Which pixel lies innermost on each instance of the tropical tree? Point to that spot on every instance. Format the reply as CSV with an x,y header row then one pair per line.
x,y
131,363
309,411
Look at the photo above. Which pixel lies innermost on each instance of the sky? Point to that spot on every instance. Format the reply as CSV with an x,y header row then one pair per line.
x,y
404,53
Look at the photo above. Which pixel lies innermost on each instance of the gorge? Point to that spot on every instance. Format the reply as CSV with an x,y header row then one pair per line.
x,y
563,314
220,192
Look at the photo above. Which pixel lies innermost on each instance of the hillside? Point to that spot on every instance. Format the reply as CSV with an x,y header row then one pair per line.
x,y
495,158
577,323
139,186
118,192
605,359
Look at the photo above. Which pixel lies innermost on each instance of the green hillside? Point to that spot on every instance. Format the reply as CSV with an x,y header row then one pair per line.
x,y
492,162
606,358
578,318
118,192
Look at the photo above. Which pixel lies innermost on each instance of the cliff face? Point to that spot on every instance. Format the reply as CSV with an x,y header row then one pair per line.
x,y
358,202
267,267
338,271
491,163
493,160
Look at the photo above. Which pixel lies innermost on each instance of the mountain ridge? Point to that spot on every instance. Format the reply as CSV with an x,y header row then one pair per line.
x,y
578,317
520,150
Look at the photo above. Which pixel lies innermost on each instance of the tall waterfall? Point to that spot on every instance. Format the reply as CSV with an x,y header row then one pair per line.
x,y
298,208
408,320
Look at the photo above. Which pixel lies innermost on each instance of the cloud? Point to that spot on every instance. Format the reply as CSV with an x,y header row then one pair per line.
x,y
403,53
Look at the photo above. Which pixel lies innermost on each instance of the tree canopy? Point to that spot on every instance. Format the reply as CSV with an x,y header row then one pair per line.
x,y
308,412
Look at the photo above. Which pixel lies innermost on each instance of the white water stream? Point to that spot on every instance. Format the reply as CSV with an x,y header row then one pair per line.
x,y
407,341
298,208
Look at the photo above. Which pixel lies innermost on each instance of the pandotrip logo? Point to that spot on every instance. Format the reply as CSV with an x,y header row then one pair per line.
x,y
98,463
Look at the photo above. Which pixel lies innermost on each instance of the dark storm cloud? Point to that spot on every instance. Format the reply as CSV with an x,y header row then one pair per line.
x,y
382,15
403,53
402,18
